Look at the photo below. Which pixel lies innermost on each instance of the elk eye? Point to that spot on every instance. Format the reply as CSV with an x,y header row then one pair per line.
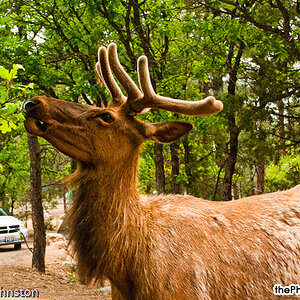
x,y
107,118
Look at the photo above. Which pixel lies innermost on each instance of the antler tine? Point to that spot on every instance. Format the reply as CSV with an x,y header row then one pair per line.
x,y
144,78
193,108
127,83
106,76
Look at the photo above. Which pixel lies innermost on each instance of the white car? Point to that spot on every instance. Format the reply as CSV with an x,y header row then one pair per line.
x,y
12,230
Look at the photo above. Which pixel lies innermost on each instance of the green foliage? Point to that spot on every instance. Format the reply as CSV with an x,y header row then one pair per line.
x,y
14,166
10,93
73,277
191,50
147,170
14,157
285,174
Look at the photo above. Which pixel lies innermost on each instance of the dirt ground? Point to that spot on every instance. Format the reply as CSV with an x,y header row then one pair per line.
x,y
58,282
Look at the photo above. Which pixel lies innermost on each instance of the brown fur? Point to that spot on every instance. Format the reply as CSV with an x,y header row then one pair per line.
x,y
164,247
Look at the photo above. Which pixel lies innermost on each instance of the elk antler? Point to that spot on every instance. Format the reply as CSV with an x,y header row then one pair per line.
x,y
139,101
151,100
104,72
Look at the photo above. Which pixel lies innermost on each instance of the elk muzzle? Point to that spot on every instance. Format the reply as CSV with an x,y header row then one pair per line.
x,y
34,120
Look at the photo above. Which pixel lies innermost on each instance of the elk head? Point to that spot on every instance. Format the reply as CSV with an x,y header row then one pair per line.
x,y
93,135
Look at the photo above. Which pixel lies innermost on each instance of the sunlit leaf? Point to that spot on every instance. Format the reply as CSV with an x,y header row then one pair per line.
x,y
2,95
4,126
9,109
4,73
13,72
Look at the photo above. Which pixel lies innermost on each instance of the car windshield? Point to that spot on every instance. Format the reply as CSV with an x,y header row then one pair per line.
x,y
2,212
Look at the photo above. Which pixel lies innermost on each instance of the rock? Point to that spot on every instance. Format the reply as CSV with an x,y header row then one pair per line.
x,y
57,239
105,289
69,266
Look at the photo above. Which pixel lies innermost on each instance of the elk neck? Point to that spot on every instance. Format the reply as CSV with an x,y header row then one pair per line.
x,y
106,213
108,189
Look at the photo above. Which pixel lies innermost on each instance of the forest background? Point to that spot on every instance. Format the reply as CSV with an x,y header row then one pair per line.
x,y
245,53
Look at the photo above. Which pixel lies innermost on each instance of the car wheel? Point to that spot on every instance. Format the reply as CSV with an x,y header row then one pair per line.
x,y
17,246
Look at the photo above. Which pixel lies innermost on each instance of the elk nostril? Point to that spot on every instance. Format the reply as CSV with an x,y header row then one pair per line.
x,y
30,104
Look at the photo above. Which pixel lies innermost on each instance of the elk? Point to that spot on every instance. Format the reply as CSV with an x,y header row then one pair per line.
x,y
166,246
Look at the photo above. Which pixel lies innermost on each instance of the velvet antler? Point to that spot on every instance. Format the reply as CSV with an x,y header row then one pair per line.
x,y
139,101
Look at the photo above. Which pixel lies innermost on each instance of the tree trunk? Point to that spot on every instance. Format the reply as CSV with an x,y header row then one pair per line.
x,y
281,126
12,206
261,150
252,186
230,161
260,168
236,191
187,160
176,188
260,182
159,168
217,182
2,199
39,230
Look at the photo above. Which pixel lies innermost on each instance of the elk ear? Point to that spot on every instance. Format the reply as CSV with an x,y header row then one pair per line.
x,y
167,132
